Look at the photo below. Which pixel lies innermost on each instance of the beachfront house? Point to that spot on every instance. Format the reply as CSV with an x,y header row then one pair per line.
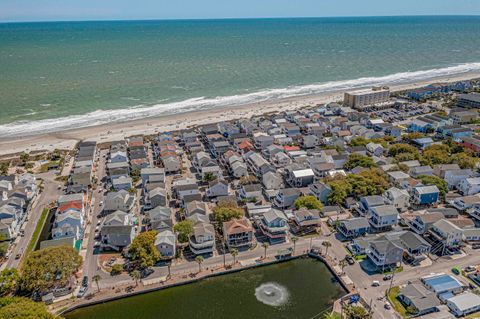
x,y
415,296
274,226
422,223
286,197
384,254
121,200
298,176
383,217
425,195
238,233
399,198
464,304
159,218
446,233
117,230
366,203
469,186
353,227
165,242
202,241
321,191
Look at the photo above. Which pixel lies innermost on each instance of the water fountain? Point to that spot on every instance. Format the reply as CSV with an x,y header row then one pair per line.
x,y
272,294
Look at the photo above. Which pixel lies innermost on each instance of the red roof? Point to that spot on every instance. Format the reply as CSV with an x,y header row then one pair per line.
x,y
69,205
291,148
245,144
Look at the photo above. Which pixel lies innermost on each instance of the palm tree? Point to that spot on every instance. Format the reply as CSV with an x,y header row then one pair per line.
x,y
294,241
96,279
135,276
234,253
331,315
265,245
326,244
343,263
199,260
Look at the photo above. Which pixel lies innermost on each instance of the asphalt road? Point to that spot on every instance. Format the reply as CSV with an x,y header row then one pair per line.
x,y
90,262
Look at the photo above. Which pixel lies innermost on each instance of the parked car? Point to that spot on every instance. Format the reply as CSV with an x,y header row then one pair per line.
x,y
82,292
470,268
375,283
387,277
350,260
387,305
85,281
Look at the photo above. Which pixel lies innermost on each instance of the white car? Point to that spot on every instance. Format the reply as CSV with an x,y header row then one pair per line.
x,y
82,292
375,283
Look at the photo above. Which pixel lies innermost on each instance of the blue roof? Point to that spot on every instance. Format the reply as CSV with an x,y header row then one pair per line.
x,y
442,283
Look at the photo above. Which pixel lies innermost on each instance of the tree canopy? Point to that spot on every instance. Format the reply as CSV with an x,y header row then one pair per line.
x,y
49,267
142,250
8,281
359,141
368,182
3,245
436,154
310,202
23,308
356,159
184,229
341,188
412,136
397,149
4,168
227,210
464,160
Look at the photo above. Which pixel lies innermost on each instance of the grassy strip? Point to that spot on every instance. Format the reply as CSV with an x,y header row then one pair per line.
x,y
397,305
397,270
37,231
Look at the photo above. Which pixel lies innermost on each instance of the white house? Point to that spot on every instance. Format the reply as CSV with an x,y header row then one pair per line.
x,y
399,198
203,239
383,217
464,304
469,186
165,242
453,177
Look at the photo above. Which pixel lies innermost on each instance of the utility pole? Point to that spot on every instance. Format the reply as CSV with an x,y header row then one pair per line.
x,y
223,250
370,309
393,276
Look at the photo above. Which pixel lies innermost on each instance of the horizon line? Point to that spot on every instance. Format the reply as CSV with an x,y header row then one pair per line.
x,y
238,18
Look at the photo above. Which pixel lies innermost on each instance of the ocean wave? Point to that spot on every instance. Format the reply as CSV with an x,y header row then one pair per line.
x,y
22,128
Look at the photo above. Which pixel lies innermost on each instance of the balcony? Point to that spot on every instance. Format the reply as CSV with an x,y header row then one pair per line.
x,y
199,248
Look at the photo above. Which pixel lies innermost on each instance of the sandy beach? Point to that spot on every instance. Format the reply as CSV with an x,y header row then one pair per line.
x,y
116,131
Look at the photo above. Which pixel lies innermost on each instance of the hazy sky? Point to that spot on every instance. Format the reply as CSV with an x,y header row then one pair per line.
x,y
41,10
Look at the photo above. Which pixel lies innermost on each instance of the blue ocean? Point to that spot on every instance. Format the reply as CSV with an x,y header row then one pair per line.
x,y
97,72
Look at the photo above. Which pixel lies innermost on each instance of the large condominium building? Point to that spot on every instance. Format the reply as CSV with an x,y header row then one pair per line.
x,y
469,100
364,98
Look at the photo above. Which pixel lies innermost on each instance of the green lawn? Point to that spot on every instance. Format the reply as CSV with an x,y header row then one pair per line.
x,y
397,270
396,304
473,315
37,231
360,257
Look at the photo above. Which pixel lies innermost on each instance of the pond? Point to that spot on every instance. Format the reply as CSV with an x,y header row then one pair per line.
x,y
300,288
